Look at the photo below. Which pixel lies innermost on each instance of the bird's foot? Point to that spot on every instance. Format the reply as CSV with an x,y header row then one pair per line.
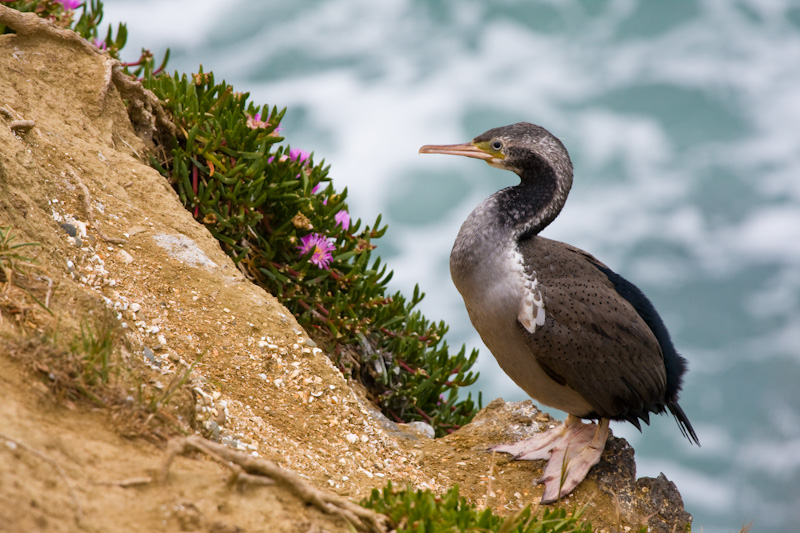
x,y
571,450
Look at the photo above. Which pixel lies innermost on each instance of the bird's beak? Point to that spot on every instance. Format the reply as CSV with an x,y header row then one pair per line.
x,y
466,149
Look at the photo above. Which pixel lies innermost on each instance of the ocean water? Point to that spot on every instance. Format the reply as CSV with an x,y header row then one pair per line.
x,y
683,122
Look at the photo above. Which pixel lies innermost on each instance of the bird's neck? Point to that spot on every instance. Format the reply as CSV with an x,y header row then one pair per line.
x,y
526,209
505,218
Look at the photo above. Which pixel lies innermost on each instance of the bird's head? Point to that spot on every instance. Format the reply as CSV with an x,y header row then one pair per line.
x,y
522,148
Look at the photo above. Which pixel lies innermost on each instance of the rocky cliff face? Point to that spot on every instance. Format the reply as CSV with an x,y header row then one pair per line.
x,y
114,237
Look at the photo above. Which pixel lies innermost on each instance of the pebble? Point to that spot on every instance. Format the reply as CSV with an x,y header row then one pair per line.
x,y
206,398
71,230
422,427
213,428
151,357
125,257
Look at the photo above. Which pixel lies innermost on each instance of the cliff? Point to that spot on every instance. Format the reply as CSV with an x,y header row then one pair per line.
x,y
115,242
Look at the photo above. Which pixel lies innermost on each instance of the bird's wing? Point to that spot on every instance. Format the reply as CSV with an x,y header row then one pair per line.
x,y
593,339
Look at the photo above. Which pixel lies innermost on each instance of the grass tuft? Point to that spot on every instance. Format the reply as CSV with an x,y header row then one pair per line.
x,y
19,270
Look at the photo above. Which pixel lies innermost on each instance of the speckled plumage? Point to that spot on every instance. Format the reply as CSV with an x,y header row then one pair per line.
x,y
595,342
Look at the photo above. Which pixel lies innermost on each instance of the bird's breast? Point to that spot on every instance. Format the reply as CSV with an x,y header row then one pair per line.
x,y
502,298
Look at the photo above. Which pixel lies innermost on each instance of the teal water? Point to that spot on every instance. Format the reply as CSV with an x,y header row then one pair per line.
x,y
683,121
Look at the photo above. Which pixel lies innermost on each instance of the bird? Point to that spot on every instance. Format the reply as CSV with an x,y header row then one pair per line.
x,y
568,330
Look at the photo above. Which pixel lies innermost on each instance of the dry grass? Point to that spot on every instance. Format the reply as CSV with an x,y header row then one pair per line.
x,y
95,366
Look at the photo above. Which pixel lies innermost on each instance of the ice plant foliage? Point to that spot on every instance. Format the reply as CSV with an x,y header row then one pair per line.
x,y
422,510
320,248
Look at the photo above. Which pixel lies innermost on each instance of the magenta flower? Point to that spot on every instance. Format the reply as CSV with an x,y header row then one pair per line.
x,y
296,154
320,248
70,4
99,43
343,218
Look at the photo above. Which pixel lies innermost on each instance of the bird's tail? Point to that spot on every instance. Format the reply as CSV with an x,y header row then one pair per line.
x,y
683,422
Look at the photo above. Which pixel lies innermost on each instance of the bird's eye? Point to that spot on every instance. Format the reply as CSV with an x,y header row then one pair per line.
x,y
497,145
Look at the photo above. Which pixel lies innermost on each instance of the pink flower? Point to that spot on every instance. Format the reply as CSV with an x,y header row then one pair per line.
x,y
296,154
343,218
320,248
99,43
70,4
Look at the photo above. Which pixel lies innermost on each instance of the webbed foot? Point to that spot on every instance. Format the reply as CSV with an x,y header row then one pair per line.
x,y
570,449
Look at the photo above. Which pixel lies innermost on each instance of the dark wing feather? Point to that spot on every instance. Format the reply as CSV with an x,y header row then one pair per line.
x,y
593,338
674,364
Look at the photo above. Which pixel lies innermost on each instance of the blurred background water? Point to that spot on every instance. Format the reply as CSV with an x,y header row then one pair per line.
x,y
682,119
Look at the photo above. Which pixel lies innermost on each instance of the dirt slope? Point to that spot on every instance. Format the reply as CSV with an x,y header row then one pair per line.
x,y
261,385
